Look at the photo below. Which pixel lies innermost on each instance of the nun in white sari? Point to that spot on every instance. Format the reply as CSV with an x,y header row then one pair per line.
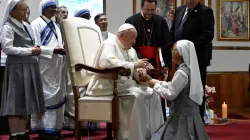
x,y
52,67
82,13
186,94
140,109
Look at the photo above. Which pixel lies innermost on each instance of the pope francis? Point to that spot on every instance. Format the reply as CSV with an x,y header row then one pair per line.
x,y
140,109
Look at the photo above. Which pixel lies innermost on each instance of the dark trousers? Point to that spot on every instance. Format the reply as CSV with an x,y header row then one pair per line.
x,y
4,129
203,73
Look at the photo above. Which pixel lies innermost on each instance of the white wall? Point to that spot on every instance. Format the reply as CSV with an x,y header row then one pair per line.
x,y
116,14
229,60
119,10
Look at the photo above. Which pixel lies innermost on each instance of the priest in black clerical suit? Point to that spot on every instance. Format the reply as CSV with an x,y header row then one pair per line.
x,y
153,33
195,22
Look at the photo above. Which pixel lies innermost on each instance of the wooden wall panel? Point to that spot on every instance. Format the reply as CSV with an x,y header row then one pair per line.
x,y
236,91
213,80
246,93
231,88
224,89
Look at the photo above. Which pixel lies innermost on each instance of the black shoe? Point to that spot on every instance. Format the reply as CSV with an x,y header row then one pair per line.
x,y
48,137
14,137
24,137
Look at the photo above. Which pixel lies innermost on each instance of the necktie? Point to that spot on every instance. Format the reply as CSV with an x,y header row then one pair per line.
x,y
186,15
178,32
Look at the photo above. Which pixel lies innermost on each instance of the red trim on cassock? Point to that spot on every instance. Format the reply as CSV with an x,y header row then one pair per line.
x,y
151,52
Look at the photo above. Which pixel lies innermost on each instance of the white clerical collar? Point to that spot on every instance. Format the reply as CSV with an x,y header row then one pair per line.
x,y
18,23
144,16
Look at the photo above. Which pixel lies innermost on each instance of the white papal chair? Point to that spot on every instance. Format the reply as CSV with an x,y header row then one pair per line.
x,y
82,39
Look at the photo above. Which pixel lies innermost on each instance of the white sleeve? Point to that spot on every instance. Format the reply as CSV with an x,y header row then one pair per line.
x,y
170,90
108,58
161,58
7,36
47,52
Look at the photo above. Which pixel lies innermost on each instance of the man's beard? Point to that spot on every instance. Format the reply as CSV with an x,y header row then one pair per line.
x,y
65,17
59,19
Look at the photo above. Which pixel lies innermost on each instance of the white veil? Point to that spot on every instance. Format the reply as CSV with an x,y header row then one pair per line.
x,y
187,50
45,3
9,6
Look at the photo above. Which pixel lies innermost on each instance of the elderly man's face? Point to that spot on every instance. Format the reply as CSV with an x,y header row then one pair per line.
x,y
63,13
191,3
129,38
102,22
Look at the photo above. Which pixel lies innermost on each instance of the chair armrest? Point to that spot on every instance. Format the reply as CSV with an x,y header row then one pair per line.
x,y
117,70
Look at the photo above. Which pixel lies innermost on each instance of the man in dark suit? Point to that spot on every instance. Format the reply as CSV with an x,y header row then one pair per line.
x,y
153,33
195,22
209,53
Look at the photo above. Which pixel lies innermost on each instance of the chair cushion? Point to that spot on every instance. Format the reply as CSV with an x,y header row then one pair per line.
x,y
95,109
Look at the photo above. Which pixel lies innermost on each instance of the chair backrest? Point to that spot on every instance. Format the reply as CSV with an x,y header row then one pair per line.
x,y
82,39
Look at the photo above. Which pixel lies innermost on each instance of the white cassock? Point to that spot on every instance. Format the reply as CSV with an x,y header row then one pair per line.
x,y
52,67
140,109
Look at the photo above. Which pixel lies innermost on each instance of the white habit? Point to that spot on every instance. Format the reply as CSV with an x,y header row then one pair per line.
x,y
140,109
52,67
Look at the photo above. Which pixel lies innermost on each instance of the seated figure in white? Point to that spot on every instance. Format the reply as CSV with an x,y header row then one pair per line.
x,y
140,109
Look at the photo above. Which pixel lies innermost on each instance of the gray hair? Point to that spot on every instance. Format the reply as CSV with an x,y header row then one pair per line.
x,y
58,9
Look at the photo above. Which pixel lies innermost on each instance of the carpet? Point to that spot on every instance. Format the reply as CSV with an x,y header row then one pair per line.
x,y
234,116
234,131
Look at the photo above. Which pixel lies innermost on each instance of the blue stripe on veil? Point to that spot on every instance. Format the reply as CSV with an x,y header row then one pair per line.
x,y
47,34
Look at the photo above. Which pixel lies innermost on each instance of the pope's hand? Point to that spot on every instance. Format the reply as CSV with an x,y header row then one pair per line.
x,y
141,63
149,66
141,73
